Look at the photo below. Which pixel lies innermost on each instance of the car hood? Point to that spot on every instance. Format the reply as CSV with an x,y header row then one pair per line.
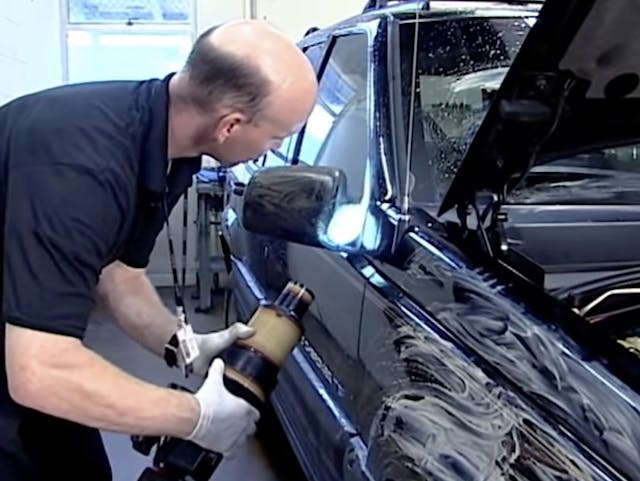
x,y
574,86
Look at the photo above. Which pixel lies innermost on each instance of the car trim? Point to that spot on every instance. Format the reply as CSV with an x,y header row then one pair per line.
x,y
395,107
249,279
378,29
318,385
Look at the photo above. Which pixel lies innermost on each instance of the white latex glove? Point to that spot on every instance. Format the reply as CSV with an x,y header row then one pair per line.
x,y
226,421
212,344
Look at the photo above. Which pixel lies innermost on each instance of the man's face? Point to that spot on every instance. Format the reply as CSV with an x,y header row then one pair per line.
x,y
244,140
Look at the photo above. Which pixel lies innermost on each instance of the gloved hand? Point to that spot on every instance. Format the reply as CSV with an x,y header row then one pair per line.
x,y
212,344
226,421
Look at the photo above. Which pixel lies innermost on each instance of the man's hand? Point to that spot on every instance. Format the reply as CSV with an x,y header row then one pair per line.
x,y
226,421
212,344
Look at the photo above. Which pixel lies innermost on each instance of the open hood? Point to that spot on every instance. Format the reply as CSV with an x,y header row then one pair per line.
x,y
574,86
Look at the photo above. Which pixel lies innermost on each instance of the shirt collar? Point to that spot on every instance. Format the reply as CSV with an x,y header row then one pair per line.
x,y
154,99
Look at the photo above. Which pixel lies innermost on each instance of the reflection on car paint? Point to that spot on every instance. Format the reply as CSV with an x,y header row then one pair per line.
x,y
230,217
632,343
452,420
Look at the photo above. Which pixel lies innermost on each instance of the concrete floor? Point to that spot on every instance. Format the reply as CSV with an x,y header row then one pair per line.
x,y
253,462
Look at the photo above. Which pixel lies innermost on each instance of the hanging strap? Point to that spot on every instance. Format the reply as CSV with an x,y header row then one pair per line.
x,y
183,342
178,289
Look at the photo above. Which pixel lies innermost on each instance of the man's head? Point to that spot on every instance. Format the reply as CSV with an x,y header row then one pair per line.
x,y
243,89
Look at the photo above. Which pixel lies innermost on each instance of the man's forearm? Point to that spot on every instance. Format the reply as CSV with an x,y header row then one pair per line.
x,y
74,383
135,305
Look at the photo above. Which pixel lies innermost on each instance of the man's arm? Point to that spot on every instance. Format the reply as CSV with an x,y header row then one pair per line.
x,y
57,375
132,300
134,303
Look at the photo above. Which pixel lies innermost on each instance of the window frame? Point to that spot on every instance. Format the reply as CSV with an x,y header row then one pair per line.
x,y
292,139
155,27
399,132
330,43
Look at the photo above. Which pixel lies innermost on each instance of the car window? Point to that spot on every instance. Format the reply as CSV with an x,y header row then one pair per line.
x,y
284,153
460,65
314,54
336,133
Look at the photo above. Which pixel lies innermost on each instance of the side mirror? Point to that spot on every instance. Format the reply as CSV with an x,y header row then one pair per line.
x,y
295,203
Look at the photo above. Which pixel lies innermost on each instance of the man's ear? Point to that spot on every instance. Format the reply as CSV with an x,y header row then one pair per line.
x,y
227,125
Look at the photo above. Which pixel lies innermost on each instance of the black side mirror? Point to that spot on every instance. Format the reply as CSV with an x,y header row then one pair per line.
x,y
295,203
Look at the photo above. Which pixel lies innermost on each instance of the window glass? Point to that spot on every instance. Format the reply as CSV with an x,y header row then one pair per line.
x,y
125,55
282,155
336,133
314,54
460,65
286,149
136,11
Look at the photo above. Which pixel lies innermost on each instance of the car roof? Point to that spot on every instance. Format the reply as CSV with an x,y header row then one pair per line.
x,y
407,10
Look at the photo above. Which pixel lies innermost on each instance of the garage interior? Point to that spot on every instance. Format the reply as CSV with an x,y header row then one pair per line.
x,y
44,43
480,318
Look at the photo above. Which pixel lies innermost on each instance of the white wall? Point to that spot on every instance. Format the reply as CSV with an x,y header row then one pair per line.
x,y
214,12
293,17
30,46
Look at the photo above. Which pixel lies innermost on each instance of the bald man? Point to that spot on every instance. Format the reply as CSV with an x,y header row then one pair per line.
x,y
90,173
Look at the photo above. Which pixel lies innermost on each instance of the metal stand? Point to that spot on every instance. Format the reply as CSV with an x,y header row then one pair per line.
x,y
210,193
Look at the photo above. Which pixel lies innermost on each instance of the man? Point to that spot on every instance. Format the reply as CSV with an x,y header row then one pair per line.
x,y
87,184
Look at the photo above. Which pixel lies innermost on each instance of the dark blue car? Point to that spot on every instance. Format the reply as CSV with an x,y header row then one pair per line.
x,y
464,204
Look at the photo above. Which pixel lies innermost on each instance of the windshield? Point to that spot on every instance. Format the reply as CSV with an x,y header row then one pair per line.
x,y
460,64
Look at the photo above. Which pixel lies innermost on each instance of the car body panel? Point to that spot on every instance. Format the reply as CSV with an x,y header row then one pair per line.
x,y
521,353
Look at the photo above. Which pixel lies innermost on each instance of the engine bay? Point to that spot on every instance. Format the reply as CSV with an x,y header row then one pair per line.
x,y
611,305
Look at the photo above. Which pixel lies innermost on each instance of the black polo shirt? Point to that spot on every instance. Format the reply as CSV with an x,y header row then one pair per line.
x,y
83,170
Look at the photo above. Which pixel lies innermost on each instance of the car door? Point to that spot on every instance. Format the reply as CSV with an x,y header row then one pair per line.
x,y
336,134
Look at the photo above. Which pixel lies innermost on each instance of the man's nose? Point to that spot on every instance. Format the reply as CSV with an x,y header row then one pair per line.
x,y
276,145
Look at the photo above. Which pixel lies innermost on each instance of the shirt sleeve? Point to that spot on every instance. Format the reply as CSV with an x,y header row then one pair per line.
x,y
61,222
